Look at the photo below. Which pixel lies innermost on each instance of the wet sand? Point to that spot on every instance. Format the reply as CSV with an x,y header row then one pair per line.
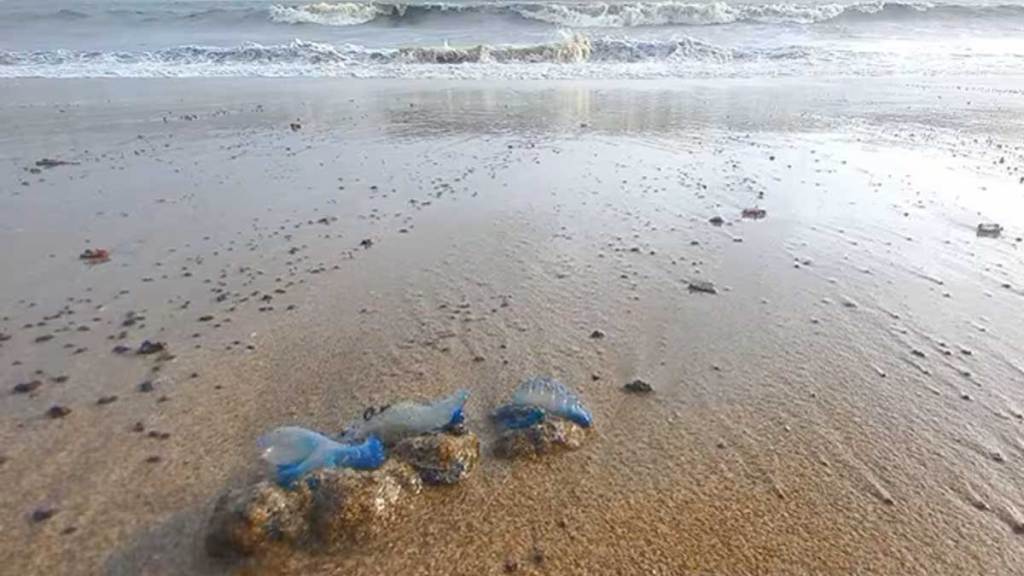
x,y
849,401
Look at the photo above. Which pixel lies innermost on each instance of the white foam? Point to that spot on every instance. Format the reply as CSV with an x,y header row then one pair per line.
x,y
328,14
632,14
602,15
573,55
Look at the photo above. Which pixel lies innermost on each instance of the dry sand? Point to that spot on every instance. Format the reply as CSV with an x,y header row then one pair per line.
x,y
850,401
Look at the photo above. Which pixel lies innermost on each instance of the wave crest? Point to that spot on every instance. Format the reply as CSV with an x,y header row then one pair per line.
x,y
602,15
301,58
636,14
342,14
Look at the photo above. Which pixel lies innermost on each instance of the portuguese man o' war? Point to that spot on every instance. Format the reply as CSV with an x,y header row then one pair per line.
x,y
406,419
537,397
294,451
514,417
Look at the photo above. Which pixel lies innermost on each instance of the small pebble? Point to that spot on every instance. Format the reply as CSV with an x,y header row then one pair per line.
x,y
638,387
702,286
43,513
148,347
58,411
26,387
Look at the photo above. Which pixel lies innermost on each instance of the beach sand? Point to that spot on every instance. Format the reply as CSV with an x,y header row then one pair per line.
x,y
851,400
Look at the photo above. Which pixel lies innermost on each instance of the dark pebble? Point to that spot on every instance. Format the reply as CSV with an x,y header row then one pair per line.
x,y
43,338
43,514
538,556
138,427
103,400
26,387
146,386
148,347
716,220
205,318
638,387
58,411
153,459
121,349
597,334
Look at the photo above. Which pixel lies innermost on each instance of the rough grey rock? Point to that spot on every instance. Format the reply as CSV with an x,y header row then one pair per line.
x,y
440,458
541,438
353,506
326,507
989,230
702,286
251,520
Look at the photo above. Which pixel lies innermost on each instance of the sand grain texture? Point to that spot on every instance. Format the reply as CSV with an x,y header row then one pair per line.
x,y
793,430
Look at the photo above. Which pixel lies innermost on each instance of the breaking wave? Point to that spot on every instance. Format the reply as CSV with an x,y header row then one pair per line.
x,y
602,15
300,55
572,56
343,14
636,14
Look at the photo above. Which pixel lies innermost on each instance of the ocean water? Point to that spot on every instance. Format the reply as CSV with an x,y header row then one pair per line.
x,y
508,39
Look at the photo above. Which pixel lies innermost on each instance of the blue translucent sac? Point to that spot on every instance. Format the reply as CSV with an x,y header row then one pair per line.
x,y
407,419
554,397
294,451
514,417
